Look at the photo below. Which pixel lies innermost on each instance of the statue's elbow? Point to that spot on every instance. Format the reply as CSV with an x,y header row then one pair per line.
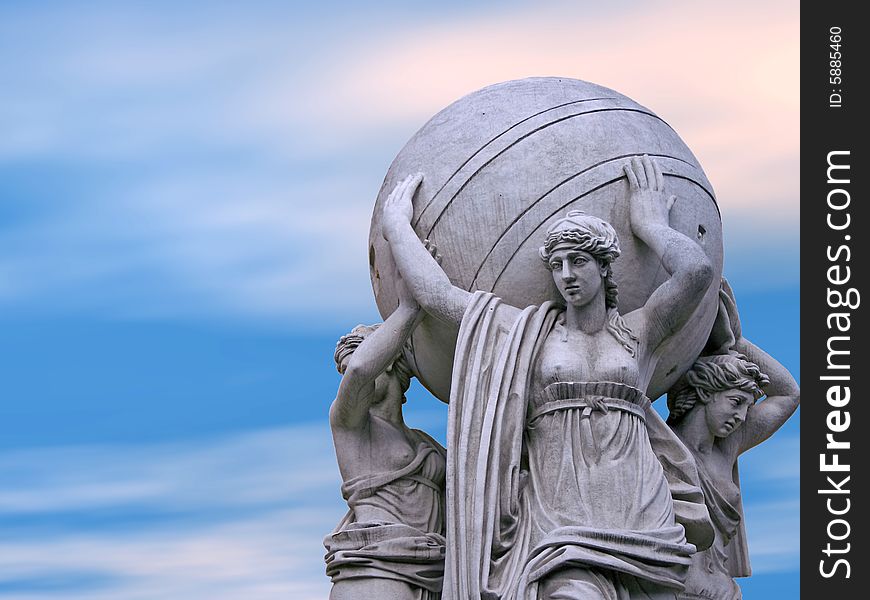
x,y
701,274
430,304
335,419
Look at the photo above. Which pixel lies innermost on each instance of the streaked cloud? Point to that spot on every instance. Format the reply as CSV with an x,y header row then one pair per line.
x,y
773,529
274,555
775,460
217,170
770,480
232,472
235,516
220,162
238,516
736,103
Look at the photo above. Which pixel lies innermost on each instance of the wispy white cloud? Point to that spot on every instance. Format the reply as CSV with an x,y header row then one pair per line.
x,y
222,168
210,246
187,194
773,529
775,463
231,472
736,104
274,555
239,516
770,479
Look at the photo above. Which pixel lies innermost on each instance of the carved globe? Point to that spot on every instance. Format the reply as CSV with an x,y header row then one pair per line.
x,y
501,164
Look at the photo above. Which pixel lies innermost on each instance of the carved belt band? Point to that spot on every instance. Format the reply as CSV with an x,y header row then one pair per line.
x,y
588,405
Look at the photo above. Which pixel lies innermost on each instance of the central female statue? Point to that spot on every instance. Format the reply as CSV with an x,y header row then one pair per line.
x,y
562,482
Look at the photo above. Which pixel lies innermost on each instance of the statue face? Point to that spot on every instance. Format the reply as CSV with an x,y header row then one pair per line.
x,y
578,275
726,410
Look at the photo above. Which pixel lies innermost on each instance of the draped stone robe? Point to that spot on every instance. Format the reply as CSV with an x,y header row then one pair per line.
x,y
503,534
409,547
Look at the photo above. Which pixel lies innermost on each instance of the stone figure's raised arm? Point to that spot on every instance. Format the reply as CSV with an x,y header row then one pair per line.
x,y
421,272
783,397
691,272
375,354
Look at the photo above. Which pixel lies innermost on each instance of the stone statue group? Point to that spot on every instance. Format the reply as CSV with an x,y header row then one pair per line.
x,y
559,481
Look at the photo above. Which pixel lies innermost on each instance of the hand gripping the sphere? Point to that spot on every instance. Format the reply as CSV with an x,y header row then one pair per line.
x,y
649,205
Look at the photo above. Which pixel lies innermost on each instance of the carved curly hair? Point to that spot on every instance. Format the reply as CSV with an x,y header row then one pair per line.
x,y
714,374
597,237
348,343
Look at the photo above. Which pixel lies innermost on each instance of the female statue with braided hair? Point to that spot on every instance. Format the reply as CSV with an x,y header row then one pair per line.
x,y
562,482
713,410
390,543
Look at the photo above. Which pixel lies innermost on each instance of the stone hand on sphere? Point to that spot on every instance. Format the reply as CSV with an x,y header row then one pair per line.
x,y
649,203
398,208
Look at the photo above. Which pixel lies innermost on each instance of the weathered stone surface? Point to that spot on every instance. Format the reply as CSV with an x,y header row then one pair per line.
x,y
390,544
559,474
578,252
505,162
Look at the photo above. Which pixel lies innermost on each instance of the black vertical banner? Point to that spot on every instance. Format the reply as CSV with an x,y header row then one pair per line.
x,y
835,225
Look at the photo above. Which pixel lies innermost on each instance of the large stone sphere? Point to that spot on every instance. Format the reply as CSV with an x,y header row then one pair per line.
x,y
501,165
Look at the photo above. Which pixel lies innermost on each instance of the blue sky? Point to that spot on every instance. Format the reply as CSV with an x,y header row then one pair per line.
x,y
184,204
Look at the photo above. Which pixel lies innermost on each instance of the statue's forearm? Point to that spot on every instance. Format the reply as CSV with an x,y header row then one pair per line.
x,y
782,383
677,252
418,268
423,276
370,359
783,396
381,347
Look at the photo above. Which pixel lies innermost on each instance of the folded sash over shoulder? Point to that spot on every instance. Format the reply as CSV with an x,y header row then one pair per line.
x,y
488,539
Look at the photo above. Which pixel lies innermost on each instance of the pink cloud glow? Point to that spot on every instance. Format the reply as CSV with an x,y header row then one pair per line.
x,y
726,79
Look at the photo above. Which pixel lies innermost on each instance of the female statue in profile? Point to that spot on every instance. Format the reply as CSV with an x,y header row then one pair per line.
x,y
562,482
715,410
390,545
